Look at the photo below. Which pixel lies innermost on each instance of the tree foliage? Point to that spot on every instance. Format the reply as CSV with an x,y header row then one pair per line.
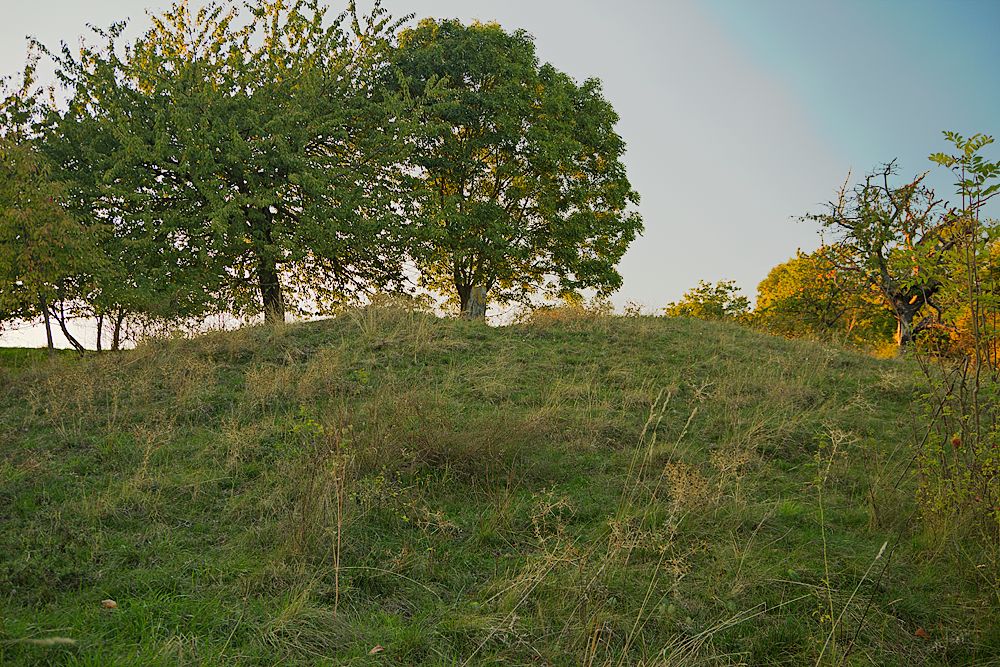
x,y
970,297
958,459
45,255
894,238
809,295
237,158
522,167
258,157
721,301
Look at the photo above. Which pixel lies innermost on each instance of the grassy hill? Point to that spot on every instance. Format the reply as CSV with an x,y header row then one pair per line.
x,y
389,488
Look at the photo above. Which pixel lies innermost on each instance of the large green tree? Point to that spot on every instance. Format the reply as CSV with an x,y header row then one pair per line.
x,y
243,156
522,167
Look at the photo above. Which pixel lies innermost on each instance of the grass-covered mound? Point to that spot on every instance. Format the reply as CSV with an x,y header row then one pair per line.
x,y
392,488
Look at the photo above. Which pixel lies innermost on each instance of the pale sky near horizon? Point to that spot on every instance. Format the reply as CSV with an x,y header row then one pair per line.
x,y
739,116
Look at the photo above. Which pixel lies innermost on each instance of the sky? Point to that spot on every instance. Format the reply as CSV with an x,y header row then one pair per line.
x,y
739,116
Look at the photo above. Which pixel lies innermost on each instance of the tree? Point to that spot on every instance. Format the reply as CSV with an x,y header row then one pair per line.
x,y
810,296
43,250
721,301
522,168
238,161
44,253
894,239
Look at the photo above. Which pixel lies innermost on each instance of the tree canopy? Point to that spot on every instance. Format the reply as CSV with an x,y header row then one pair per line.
x,y
894,238
808,295
44,253
239,157
522,167
720,301
267,157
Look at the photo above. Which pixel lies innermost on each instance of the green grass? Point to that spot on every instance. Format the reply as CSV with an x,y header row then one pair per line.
x,y
18,358
579,490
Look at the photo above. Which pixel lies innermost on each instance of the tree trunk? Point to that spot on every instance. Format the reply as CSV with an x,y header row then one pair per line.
x,y
270,290
48,323
464,292
268,278
116,333
61,319
100,331
472,299
906,305
904,330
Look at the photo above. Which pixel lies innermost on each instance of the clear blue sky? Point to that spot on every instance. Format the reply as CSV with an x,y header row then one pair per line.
x,y
739,115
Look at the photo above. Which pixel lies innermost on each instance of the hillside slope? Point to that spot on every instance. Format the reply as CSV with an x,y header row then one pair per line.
x,y
388,488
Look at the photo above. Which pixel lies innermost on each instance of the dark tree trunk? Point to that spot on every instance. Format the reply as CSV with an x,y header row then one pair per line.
x,y
270,290
48,323
472,300
116,333
268,278
464,292
100,331
61,319
904,330
906,306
